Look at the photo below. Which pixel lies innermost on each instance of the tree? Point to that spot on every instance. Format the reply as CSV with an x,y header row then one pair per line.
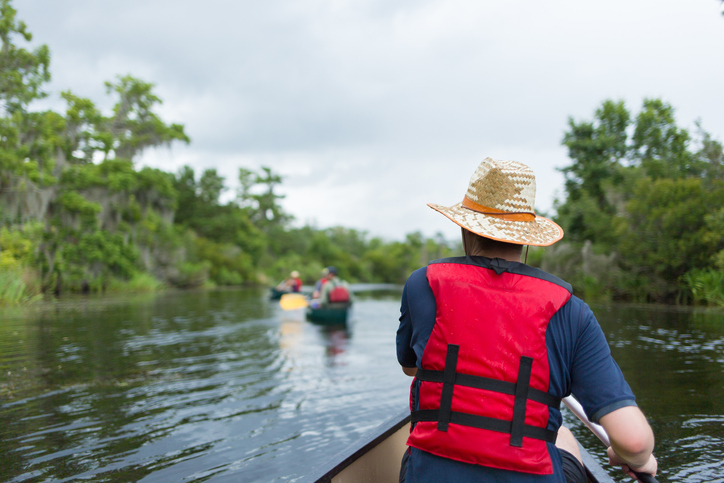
x,y
134,125
598,150
643,199
660,146
27,140
85,132
22,73
264,206
668,233
711,154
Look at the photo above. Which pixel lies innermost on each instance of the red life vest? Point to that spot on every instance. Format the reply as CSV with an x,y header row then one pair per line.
x,y
483,384
339,294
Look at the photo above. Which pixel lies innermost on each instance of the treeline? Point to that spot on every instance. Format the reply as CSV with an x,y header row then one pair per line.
x,y
77,214
644,208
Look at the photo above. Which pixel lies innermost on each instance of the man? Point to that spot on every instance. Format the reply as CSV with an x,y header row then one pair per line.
x,y
319,283
335,291
495,344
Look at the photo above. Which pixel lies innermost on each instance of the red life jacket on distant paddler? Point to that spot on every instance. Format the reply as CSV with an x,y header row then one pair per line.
x,y
339,293
483,393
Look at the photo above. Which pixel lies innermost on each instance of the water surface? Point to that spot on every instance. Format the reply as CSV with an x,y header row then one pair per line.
x,y
225,386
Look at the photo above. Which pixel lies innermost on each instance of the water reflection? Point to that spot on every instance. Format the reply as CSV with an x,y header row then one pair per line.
x,y
291,333
335,341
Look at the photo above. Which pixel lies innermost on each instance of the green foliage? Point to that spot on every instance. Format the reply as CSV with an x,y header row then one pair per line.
x,y
660,146
706,286
94,258
22,73
138,283
597,149
645,199
27,140
74,203
19,282
227,263
134,125
18,246
199,210
668,233
192,275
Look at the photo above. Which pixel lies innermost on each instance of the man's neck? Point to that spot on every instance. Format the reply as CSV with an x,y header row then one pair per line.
x,y
504,255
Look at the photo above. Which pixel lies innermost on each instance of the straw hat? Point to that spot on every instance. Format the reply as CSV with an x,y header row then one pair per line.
x,y
499,205
294,274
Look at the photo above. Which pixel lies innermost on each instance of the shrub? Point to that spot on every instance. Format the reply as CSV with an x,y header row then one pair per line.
x,y
706,286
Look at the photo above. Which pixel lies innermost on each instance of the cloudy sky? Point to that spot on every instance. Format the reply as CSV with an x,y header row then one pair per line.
x,y
372,108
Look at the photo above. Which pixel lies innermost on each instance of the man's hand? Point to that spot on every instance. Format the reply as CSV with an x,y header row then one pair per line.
x,y
650,467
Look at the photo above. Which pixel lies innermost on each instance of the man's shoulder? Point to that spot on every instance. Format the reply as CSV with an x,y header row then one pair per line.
x,y
417,278
577,310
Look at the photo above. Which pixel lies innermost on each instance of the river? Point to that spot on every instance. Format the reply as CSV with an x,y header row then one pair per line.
x,y
225,386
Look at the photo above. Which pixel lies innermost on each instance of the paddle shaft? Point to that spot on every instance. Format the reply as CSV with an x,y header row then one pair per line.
x,y
576,408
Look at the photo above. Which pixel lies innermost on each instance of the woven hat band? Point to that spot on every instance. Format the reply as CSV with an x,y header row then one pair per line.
x,y
499,214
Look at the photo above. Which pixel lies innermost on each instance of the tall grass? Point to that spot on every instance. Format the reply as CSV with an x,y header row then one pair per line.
x,y
706,286
18,287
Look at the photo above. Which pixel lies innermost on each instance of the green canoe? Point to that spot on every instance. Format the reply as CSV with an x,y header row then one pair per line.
x,y
329,315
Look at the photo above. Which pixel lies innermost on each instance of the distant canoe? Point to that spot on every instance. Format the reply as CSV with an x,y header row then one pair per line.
x,y
329,315
376,457
276,294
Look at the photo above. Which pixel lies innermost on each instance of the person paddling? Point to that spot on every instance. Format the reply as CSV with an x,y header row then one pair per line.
x,y
319,283
335,292
291,284
494,345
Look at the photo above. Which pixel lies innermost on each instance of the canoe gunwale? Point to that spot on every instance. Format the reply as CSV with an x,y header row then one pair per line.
x,y
354,451
594,471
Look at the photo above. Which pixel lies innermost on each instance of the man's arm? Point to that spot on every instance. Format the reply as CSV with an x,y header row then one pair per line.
x,y
410,371
632,440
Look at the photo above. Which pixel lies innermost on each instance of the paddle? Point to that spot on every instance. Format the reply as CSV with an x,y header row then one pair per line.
x,y
293,301
576,408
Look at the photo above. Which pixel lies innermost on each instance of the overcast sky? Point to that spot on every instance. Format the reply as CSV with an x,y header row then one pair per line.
x,y
372,108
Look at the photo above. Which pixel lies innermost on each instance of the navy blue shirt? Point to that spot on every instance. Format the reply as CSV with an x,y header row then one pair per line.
x,y
580,363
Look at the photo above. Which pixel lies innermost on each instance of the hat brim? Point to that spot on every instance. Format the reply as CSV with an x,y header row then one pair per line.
x,y
540,232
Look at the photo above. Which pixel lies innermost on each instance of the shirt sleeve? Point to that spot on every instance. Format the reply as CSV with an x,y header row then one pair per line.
x,y
417,319
405,354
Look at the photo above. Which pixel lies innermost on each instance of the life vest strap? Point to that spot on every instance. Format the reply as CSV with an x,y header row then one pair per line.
x,y
521,401
489,384
483,422
521,390
448,385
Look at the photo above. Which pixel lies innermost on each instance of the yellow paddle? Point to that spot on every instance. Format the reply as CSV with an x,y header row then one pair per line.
x,y
293,301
